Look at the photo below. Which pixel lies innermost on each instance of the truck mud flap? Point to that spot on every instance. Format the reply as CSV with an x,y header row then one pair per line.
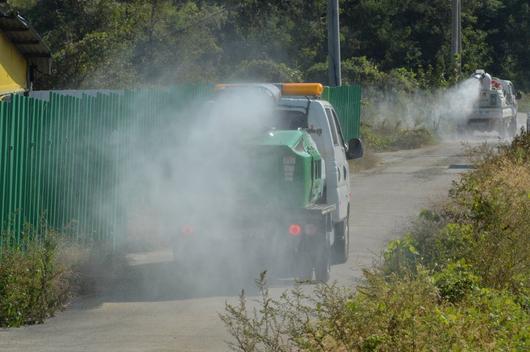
x,y
324,210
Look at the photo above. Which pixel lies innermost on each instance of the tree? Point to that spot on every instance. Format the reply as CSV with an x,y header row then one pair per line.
x,y
123,43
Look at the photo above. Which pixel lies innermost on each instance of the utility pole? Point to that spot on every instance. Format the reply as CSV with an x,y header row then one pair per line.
x,y
456,39
335,78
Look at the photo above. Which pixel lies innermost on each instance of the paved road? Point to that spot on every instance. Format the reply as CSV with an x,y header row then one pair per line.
x,y
154,315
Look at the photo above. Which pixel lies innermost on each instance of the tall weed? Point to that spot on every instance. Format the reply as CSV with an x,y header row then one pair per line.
x,y
33,285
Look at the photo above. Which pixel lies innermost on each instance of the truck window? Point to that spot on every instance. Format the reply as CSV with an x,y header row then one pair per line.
x,y
339,128
289,120
332,126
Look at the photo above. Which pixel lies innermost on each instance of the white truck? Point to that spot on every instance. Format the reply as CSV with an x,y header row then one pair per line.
x,y
496,107
294,219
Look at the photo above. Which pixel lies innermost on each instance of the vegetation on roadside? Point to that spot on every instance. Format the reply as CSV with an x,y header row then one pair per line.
x,y
33,283
387,137
459,280
41,270
524,103
394,114
368,161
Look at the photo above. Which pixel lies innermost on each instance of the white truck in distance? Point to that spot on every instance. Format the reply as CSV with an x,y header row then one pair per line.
x,y
496,108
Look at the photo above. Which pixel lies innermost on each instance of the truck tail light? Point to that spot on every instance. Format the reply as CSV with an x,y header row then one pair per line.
x,y
295,230
186,230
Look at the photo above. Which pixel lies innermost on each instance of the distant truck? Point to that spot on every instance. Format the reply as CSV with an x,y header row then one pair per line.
x,y
293,218
496,108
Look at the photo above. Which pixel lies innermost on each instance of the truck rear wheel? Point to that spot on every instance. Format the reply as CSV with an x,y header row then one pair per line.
x,y
503,128
462,131
304,267
341,247
512,129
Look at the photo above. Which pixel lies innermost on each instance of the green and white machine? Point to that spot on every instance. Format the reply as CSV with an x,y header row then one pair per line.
x,y
291,168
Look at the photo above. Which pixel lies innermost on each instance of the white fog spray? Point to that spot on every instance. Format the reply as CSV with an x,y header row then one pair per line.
x,y
440,111
192,176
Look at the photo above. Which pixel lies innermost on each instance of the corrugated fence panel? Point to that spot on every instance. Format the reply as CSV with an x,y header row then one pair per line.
x,y
347,103
58,157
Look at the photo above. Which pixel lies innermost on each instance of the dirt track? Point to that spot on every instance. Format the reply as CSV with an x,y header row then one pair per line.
x,y
155,315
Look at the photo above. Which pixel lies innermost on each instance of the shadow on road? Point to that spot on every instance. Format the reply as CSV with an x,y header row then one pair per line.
x,y
165,281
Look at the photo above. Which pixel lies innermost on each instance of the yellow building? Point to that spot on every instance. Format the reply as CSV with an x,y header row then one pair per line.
x,y
23,55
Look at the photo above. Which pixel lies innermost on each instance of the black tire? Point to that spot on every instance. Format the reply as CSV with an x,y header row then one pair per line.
x,y
503,128
323,265
304,268
341,247
462,131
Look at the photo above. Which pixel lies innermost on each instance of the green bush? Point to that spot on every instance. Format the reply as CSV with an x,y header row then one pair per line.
x,y
374,141
413,138
32,283
456,281
401,256
524,103
488,320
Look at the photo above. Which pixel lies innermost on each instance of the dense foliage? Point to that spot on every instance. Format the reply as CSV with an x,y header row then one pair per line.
x,y
42,269
118,43
33,284
459,281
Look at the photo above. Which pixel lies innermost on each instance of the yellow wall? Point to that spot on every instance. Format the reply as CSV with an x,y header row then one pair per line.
x,y
13,67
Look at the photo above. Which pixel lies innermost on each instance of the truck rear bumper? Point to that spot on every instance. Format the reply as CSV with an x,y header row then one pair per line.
x,y
259,243
485,124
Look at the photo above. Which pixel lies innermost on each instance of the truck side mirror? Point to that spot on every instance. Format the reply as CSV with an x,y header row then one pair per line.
x,y
518,95
355,149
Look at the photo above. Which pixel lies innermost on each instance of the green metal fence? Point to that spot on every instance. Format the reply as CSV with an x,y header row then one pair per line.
x,y
57,157
347,103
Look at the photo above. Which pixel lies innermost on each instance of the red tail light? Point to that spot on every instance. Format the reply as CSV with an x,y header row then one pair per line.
x,y
187,230
295,230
